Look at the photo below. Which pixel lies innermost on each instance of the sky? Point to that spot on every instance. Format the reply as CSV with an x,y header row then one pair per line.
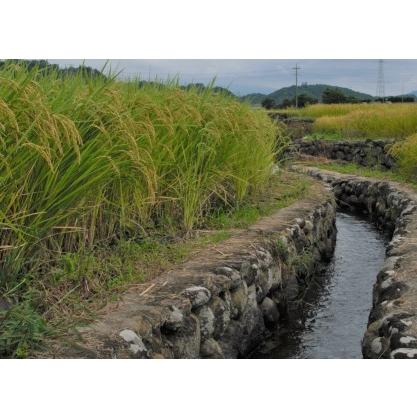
x,y
244,76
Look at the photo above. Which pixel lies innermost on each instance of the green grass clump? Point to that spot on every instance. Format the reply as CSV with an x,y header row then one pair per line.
x,y
282,190
22,330
89,159
355,169
281,250
303,263
363,120
405,152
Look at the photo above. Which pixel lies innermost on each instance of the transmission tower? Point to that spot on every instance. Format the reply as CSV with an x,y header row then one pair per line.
x,y
380,86
296,69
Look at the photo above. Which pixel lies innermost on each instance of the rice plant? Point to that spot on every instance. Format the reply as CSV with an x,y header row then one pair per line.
x,y
375,120
87,159
319,110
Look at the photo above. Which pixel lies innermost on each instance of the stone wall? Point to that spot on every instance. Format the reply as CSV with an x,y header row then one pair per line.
x,y
297,127
392,327
372,153
223,302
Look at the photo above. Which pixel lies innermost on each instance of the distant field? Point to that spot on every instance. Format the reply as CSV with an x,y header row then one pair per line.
x,y
369,121
375,120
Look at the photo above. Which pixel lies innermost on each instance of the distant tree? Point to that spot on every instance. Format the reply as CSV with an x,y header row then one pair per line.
x,y
286,103
351,99
333,96
268,103
304,99
46,68
400,99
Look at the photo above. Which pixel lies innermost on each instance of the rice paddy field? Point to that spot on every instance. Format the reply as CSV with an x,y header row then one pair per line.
x,y
397,121
102,181
363,120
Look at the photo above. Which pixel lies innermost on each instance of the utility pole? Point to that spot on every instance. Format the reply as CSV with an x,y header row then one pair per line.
x,y
380,85
402,91
296,68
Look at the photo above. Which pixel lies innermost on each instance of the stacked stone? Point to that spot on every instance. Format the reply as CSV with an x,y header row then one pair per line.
x,y
225,307
370,153
297,127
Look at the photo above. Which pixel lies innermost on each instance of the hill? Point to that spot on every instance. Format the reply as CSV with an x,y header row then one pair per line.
x,y
255,98
312,90
201,87
45,68
413,93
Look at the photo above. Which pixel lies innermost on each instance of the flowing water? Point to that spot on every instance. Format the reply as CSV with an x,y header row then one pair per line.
x,y
335,311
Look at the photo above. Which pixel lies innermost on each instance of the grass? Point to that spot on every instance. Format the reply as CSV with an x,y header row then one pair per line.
x,y
303,263
282,250
22,330
106,183
278,194
355,169
405,153
79,284
370,121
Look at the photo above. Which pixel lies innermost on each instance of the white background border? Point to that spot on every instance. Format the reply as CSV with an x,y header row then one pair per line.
x,y
208,29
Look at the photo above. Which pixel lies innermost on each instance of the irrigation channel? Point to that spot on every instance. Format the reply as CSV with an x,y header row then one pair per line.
x,y
335,308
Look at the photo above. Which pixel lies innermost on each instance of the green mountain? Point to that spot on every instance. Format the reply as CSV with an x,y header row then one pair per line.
x,y
255,98
312,90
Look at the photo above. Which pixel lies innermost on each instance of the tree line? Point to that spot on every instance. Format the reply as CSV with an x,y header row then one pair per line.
x,y
46,68
330,96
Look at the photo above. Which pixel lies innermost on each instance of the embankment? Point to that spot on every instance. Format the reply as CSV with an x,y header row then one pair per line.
x,y
392,326
223,301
